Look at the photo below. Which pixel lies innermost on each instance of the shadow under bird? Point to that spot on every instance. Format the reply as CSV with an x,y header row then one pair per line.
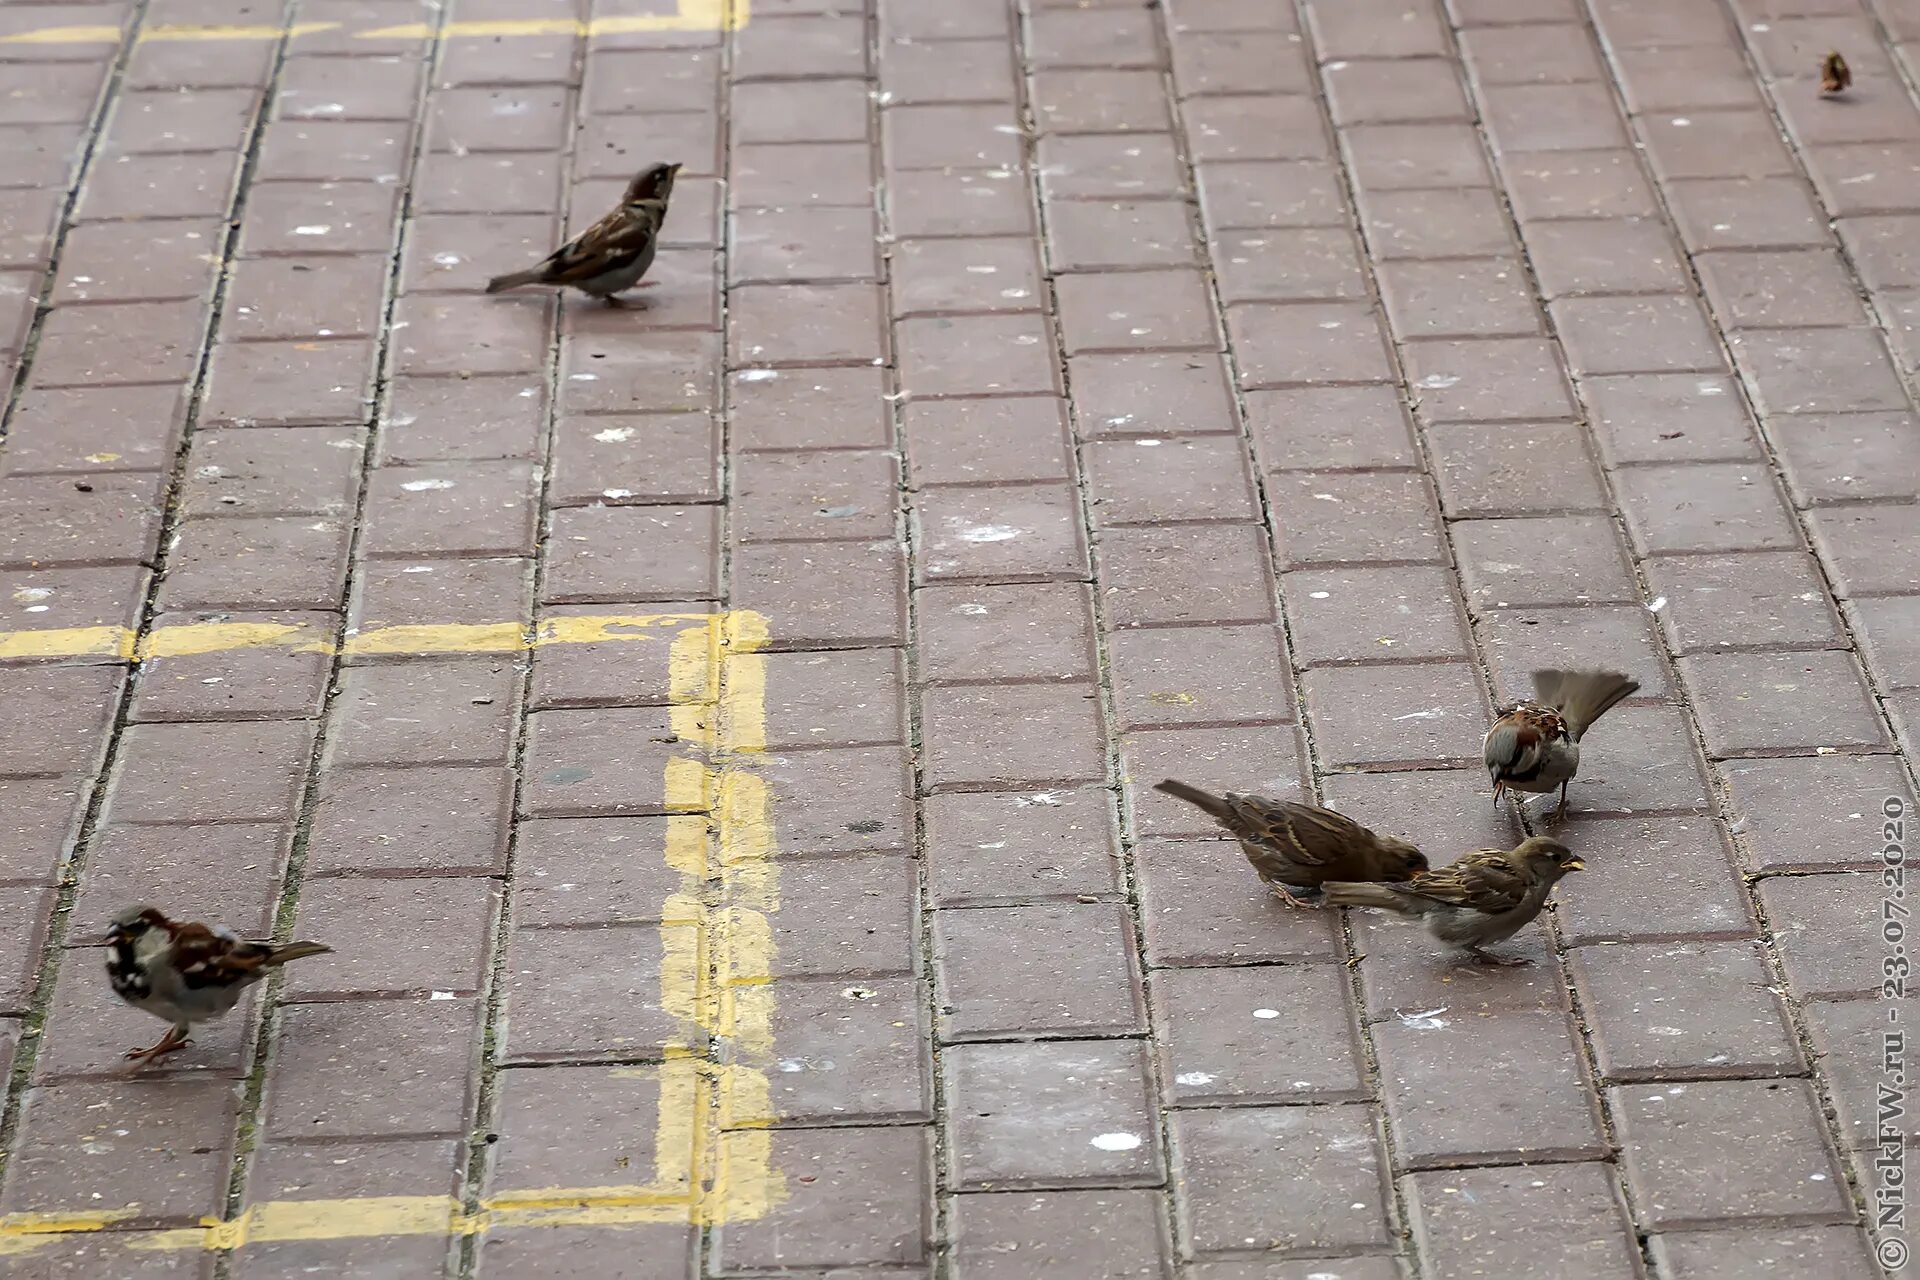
x,y
1296,846
1535,746
1486,897
613,253
184,972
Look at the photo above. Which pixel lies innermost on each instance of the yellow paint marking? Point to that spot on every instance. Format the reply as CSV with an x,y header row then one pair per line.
x,y
195,31
688,15
713,1153
194,638
68,642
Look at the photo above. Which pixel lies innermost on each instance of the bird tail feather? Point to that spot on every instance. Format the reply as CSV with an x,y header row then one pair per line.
x,y
1582,696
1203,800
514,279
297,951
1356,893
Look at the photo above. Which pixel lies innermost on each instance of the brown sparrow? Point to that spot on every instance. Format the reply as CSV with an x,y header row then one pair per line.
x,y
186,973
1485,897
613,253
1535,746
1835,74
1295,846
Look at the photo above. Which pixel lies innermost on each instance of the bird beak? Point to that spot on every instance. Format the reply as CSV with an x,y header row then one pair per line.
x,y
1575,865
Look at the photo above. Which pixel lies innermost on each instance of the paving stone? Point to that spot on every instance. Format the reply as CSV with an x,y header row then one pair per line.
x,y
1311,428
1517,642
836,699
1703,507
1074,974
1188,675
1510,468
374,1069
243,772
1132,311
1360,615
1150,481
1202,905
1817,371
1652,881
1151,393
260,683
1547,1220
1813,700
1808,913
577,995
1723,601
1231,1193
1546,1112
443,820
987,441
844,1060
1268,193
395,593
1029,1116
1001,737
445,711
1103,166
1214,758
975,632
1354,518
830,408
1400,714
854,916
646,458
1288,265
1641,1032
1840,1252
840,801
1849,456
804,496
391,938
589,560
1860,547
587,871
1009,354
1499,561
994,848
1488,379
1397,91
1119,1234
1810,813
349,1170
189,1122
273,471
1315,342
1849,1047
1185,574
1683,1169
867,1202
458,419
1268,1034
46,698
1669,418
44,816
601,762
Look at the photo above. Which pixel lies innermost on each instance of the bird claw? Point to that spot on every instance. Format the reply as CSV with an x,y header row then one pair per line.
x,y
169,1043
1280,891
1504,962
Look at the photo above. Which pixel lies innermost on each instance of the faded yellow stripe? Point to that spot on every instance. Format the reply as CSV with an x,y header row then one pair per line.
x,y
688,15
195,638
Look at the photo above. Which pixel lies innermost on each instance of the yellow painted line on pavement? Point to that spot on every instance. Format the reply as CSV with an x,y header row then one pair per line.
x,y
713,1154
688,15
191,639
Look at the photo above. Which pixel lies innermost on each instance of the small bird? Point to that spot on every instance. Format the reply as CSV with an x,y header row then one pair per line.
x,y
1302,846
613,253
1535,746
1835,74
1485,897
186,973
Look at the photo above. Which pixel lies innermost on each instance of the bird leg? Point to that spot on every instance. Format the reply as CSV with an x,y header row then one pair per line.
x,y
1505,962
1279,891
1561,812
613,300
176,1038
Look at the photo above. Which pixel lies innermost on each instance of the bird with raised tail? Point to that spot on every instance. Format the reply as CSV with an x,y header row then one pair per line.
x,y
184,972
1296,847
1535,746
1485,897
613,253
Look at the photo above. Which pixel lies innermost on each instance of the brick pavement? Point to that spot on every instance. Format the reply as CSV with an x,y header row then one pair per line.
x,y
716,736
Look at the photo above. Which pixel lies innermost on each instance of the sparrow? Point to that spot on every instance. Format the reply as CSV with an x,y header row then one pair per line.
x,y
186,973
1297,846
1835,74
613,253
1485,897
1535,746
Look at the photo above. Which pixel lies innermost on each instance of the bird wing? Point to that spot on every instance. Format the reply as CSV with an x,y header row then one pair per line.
x,y
1483,880
619,237
1309,835
215,958
1513,745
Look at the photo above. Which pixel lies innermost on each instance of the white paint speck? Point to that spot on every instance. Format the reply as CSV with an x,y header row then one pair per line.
x,y
1266,1013
1116,1141
421,486
1193,1078
614,435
